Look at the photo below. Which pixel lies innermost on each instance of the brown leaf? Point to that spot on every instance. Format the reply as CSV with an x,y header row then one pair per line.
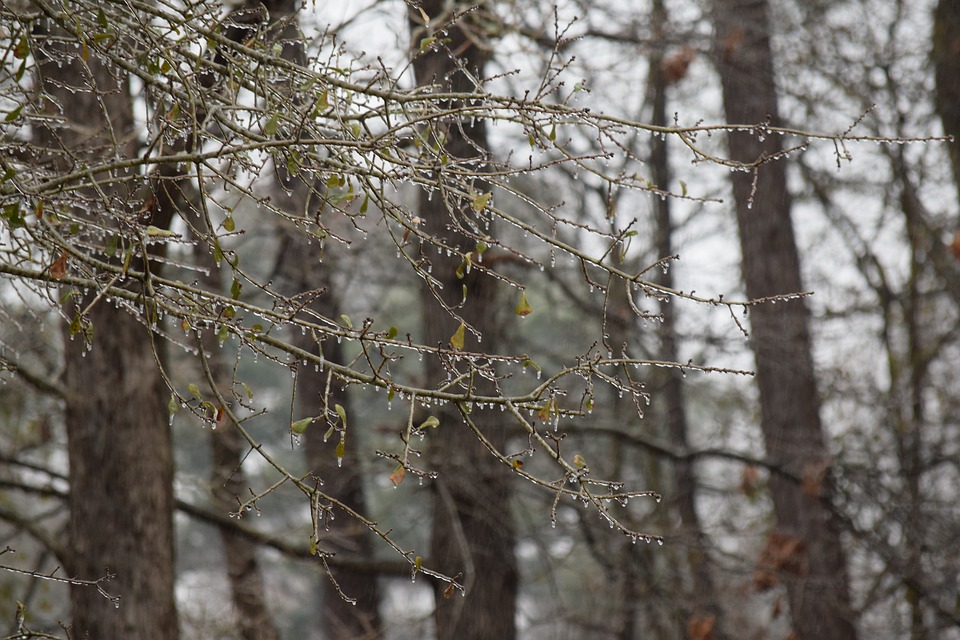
x,y
675,67
449,591
955,244
700,627
777,607
814,474
398,474
731,43
764,580
749,480
785,554
59,268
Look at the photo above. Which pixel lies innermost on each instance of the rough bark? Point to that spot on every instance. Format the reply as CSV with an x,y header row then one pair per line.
x,y
946,59
119,444
472,530
807,542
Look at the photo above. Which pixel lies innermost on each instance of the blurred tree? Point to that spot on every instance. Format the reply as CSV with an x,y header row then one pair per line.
x,y
805,549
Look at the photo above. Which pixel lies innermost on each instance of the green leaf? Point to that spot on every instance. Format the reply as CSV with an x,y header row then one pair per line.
x,y
8,174
273,125
347,322
329,433
523,308
195,390
102,18
217,252
426,42
457,339
173,406
683,188
341,449
300,426
111,247
553,133
22,50
223,334
464,267
13,115
579,461
480,248
364,204
235,287
433,422
392,333
229,224
480,201
157,232
342,413
530,363
229,312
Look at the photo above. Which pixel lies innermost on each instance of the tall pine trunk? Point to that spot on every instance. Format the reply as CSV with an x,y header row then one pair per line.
x,y
806,543
472,529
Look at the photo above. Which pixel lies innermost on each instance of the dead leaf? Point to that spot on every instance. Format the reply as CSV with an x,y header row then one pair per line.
x,y
449,591
675,67
732,42
784,554
700,627
814,474
59,268
398,474
749,480
955,244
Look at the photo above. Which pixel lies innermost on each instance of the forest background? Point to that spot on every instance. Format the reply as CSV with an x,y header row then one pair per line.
x,y
303,301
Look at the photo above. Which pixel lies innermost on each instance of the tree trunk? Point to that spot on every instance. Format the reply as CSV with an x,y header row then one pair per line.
x,y
703,604
119,443
946,59
301,268
807,542
472,529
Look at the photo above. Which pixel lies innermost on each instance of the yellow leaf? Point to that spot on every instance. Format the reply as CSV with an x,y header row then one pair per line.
x,y
457,339
523,308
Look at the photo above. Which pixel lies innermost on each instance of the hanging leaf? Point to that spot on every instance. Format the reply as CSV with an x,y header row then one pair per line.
x,y
480,201
433,422
229,224
457,339
59,268
22,50
523,308
545,410
341,448
397,476
300,426
273,125
235,287
449,591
